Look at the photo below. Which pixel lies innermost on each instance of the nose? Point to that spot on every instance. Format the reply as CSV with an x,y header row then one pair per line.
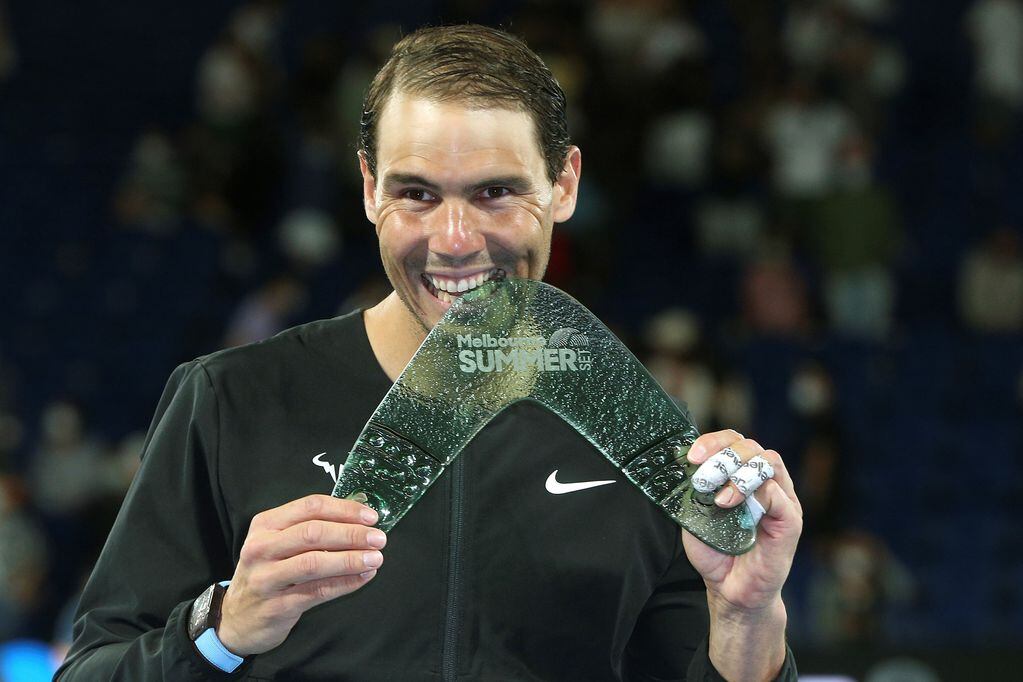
x,y
455,236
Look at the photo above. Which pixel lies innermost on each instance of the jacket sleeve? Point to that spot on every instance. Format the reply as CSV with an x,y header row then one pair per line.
x,y
170,541
670,640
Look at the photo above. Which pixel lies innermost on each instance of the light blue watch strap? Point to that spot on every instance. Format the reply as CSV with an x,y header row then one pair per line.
x,y
214,651
210,646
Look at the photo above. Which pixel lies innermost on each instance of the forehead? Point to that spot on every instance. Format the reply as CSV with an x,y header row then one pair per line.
x,y
454,138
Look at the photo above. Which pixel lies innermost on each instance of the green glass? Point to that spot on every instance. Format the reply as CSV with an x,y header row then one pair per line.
x,y
513,340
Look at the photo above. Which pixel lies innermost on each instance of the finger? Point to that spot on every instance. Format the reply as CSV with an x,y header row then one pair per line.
x,y
713,473
749,477
756,510
317,565
710,443
312,507
782,477
315,592
781,515
720,467
325,535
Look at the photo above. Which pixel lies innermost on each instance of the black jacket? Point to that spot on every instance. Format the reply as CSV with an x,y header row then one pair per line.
x,y
489,577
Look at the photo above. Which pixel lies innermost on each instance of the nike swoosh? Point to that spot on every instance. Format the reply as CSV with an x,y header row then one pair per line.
x,y
556,488
326,466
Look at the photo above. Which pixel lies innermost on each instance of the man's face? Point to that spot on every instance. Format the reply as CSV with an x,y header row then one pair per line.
x,y
461,195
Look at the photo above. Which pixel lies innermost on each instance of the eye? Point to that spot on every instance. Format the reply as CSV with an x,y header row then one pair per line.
x,y
495,192
417,194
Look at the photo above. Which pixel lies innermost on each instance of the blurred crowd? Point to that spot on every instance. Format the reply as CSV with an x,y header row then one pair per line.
x,y
799,214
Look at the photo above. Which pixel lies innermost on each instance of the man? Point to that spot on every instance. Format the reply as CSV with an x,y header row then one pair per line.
x,y
466,166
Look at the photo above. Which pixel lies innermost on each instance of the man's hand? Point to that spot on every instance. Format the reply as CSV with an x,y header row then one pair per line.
x,y
744,592
295,557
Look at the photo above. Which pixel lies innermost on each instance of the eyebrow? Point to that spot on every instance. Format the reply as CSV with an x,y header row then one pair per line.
x,y
516,183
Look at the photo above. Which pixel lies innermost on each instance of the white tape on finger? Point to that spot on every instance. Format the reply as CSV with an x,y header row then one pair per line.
x,y
752,475
756,510
713,473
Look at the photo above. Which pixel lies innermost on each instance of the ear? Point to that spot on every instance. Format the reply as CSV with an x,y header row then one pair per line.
x,y
369,189
566,187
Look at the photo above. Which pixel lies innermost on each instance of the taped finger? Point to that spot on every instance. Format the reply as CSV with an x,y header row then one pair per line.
x,y
756,510
713,473
752,475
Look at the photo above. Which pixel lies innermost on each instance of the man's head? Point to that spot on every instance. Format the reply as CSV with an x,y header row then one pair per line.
x,y
466,164
475,66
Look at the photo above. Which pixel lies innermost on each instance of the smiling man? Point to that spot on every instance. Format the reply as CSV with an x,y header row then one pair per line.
x,y
532,558
463,195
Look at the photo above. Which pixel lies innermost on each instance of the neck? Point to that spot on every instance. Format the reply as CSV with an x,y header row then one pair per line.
x,y
394,334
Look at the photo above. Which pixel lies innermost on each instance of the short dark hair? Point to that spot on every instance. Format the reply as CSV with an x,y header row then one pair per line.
x,y
477,65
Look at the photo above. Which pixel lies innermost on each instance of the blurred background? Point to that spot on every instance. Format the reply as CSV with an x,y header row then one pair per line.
x,y
800,214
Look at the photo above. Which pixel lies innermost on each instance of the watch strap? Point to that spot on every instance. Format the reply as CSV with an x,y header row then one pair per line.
x,y
214,651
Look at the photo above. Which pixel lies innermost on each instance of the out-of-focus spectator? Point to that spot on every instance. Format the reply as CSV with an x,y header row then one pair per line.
x,y
152,192
855,235
309,238
679,140
774,294
991,284
817,467
228,84
67,473
643,35
853,588
678,359
730,220
810,33
23,561
673,339
812,396
867,72
804,132
234,151
678,146
265,312
996,29
256,25
730,225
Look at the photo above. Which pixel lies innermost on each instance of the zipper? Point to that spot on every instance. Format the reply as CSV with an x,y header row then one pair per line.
x,y
449,652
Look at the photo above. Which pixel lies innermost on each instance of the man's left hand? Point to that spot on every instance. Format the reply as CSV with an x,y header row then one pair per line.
x,y
744,592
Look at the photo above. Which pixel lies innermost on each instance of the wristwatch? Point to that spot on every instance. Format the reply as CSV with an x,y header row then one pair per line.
x,y
205,613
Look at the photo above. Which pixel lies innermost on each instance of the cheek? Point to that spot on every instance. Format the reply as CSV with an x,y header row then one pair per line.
x,y
398,231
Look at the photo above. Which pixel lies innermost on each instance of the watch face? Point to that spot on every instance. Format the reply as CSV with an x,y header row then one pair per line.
x,y
200,611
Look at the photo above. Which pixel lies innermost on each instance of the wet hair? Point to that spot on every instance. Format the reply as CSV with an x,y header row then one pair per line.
x,y
474,65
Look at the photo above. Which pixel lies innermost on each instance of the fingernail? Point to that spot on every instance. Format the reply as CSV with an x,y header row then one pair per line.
x,y
724,498
372,559
368,515
696,453
376,538
368,574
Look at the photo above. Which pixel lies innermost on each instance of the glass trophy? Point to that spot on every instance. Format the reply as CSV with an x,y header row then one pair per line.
x,y
518,339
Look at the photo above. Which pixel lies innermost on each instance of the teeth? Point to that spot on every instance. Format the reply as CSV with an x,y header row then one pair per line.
x,y
446,287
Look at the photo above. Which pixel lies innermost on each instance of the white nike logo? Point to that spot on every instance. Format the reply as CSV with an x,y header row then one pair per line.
x,y
556,488
327,466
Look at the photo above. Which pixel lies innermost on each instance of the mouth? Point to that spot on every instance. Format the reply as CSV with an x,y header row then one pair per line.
x,y
446,288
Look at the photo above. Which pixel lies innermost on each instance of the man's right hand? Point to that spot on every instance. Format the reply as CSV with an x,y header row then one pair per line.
x,y
295,557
